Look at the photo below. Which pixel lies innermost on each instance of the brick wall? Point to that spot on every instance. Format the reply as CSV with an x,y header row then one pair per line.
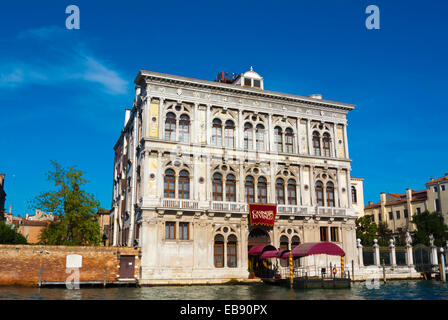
x,y
21,264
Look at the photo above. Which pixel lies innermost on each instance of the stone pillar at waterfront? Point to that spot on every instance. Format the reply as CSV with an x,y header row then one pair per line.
x,y
360,256
393,260
434,258
376,254
409,257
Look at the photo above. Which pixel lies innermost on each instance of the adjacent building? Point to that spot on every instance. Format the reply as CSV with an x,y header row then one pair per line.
x,y
2,196
397,210
194,153
357,194
30,226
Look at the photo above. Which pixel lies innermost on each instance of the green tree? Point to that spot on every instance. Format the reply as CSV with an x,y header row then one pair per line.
x,y
9,234
366,230
400,237
77,222
430,223
384,234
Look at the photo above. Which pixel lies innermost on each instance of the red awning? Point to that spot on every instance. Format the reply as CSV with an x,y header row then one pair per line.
x,y
257,250
307,249
273,254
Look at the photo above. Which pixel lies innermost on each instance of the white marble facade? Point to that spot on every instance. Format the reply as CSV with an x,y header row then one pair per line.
x,y
187,157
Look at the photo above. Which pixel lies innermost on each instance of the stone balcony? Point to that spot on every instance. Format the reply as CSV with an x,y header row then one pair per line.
x,y
242,208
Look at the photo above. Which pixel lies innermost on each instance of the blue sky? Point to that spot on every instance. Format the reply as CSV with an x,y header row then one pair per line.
x,y
63,92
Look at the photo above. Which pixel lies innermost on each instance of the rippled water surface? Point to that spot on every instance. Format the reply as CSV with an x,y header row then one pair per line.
x,y
426,290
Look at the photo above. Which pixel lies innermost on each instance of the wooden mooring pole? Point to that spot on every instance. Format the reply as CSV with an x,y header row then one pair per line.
x,y
40,277
291,271
105,276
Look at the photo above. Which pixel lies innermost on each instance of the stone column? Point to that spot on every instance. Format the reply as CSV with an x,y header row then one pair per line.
x,y
409,256
393,259
312,188
195,137
335,140
433,256
309,134
360,254
376,253
339,190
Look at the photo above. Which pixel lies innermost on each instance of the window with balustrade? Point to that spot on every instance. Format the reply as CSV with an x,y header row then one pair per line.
x,y
230,188
184,185
330,194
292,192
280,191
217,187
319,193
262,190
250,189
169,184
170,126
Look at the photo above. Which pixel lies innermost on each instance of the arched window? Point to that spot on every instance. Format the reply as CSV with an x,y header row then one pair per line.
x,y
219,251
217,187
319,193
184,185
169,184
217,133
292,192
184,128
326,144
354,195
289,140
330,194
250,189
229,134
248,136
280,191
316,143
170,127
278,139
262,190
260,137
284,245
231,251
230,188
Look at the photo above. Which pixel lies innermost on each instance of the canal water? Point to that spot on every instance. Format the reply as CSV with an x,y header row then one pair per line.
x,y
392,290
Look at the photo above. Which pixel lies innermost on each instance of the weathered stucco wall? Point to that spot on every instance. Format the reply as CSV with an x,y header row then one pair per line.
x,y
21,264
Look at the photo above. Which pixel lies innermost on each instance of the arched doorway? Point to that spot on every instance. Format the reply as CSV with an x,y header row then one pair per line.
x,y
257,236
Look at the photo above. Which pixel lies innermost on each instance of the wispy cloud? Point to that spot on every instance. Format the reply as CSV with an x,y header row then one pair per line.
x,y
58,57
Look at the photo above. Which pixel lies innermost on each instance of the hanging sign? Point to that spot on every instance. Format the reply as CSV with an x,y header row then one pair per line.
x,y
262,214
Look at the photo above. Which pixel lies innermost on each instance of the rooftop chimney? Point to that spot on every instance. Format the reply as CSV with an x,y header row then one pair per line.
x,y
408,194
383,198
370,203
10,209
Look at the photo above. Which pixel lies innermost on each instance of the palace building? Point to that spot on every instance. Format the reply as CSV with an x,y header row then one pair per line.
x,y
193,154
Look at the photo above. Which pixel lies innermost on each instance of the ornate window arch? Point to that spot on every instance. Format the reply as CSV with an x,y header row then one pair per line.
x,y
284,245
330,194
218,252
248,136
170,126
326,144
217,132
260,137
217,187
250,189
184,128
289,140
262,187
232,245
278,134
184,184
316,143
319,193
229,134
292,192
230,188
177,122
169,184
280,190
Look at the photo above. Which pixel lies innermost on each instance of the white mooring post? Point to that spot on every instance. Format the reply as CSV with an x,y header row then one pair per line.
x,y
393,260
443,275
376,251
360,256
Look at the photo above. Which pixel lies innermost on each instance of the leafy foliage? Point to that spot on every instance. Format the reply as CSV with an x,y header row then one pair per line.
x,y
9,235
366,230
430,223
77,222
384,234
